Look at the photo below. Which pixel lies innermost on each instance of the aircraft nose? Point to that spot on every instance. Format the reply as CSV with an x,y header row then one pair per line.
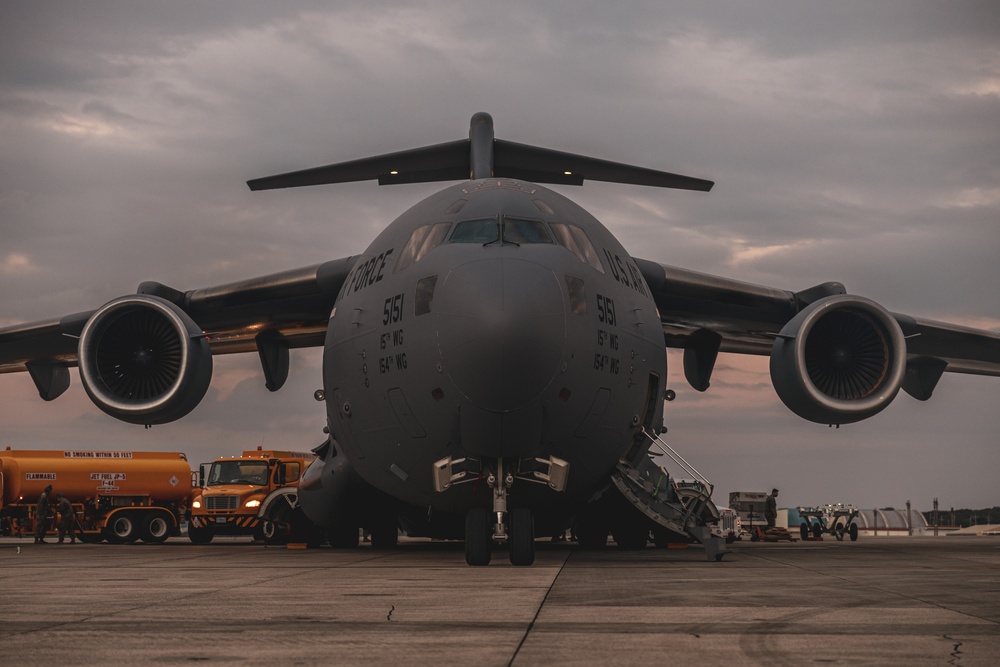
x,y
501,330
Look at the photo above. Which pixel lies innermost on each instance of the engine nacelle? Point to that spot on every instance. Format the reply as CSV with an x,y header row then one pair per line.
x,y
840,360
143,360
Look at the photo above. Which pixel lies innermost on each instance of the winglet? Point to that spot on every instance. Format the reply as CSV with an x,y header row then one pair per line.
x,y
480,156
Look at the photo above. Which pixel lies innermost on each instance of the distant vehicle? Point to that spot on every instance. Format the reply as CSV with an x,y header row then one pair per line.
x,y
749,506
729,526
254,494
836,520
117,495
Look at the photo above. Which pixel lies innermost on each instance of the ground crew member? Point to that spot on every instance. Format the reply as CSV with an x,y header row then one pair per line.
x,y
65,509
771,508
42,515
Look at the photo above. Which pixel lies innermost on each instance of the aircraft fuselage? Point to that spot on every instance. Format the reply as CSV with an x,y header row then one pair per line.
x,y
494,321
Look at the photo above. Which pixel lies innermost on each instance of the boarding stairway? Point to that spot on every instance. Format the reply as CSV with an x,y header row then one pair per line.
x,y
684,508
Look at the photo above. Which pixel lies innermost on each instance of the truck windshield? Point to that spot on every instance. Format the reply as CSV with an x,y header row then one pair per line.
x,y
238,472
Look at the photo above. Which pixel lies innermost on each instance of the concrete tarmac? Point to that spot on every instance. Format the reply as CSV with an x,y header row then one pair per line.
x,y
888,601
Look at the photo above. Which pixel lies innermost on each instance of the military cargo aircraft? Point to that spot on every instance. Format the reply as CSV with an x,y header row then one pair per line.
x,y
494,363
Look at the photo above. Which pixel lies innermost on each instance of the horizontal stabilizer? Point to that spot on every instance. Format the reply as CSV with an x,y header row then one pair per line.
x,y
544,165
442,162
480,156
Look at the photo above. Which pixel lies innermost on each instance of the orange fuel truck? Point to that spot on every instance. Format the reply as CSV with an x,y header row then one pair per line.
x,y
255,494
118,496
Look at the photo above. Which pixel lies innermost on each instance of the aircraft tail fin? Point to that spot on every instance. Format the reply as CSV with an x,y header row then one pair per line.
x,y
480,156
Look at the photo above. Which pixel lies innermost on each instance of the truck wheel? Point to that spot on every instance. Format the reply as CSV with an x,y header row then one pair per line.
x,y
156,528
200,535
276,533
122,529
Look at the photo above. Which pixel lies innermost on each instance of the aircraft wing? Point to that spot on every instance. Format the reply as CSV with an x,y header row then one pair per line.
x,y
278,311
705,314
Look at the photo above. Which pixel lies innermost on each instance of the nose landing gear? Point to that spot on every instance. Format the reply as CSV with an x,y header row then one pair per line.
x,y
483,528
486,526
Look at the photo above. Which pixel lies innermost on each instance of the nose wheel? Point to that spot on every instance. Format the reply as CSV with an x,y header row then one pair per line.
x,y
516,527
478,536
521,536
480,532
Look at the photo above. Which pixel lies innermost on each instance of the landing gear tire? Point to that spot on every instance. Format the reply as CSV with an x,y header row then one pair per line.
x,y
591,535
478,536
521,533
817,531
343,536
156,528
804,530
661,537
385,534
315,537
853,532
631,535
200,535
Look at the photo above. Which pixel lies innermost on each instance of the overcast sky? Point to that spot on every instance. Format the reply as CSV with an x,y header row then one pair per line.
x,y
857,142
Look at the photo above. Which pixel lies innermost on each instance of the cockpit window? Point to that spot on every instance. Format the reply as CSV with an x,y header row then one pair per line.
x,y
423,239
476,231
519,231
575,240
515,231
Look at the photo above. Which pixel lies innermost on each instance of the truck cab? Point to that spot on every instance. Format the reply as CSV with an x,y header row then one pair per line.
x,y
235,490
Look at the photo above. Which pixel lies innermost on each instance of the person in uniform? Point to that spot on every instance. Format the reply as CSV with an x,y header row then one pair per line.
x,y
65,509
42,515
771,508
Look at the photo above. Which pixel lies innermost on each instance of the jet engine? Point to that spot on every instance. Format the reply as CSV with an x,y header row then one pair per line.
x,y
143,360
838,361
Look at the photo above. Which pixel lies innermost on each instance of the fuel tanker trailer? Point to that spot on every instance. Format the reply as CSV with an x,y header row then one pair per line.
x,y
118,496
